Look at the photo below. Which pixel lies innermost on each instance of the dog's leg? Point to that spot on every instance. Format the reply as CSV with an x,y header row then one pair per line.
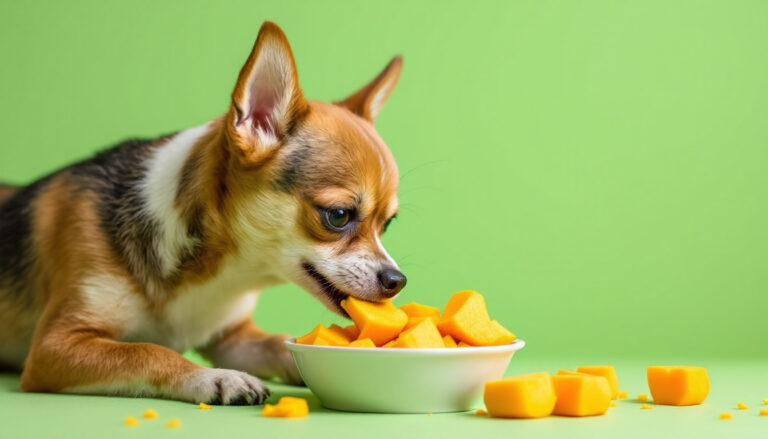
x,y
246,347
69,356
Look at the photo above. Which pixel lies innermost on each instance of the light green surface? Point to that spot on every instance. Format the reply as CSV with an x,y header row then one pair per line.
x,y
598,169
84,417
587,165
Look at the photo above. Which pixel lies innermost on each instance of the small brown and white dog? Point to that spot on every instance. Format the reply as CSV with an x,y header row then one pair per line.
x,y
112,266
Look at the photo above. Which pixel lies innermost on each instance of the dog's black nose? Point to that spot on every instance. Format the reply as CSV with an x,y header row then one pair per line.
x,y
391,281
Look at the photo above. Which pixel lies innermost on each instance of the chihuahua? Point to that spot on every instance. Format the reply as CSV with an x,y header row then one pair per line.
x,y
111,267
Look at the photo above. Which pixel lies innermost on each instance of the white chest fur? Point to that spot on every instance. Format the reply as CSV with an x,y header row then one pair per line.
x,y
195,314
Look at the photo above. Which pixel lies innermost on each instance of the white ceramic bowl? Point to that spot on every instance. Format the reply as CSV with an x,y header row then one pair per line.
x,y
400,380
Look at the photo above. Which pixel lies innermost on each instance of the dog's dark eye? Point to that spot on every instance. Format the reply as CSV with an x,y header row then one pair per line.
x,y
337,219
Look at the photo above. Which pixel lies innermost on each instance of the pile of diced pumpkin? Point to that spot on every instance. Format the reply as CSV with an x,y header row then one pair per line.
x,y
588,391
464,322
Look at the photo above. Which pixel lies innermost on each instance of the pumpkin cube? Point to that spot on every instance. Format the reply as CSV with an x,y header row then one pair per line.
x,y
449,342
523,396
413,321
381,322
362,343
419,310
466,319
324,337
338,330
581,395
352,332
604,371
287,407
678,385
423,335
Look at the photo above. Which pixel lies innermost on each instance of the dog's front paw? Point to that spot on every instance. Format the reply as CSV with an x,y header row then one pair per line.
x,y
225,387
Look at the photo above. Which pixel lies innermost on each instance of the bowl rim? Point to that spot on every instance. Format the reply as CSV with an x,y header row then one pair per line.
x,y
516,345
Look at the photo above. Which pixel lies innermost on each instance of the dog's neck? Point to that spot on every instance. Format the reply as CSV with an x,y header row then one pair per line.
x,y
186,189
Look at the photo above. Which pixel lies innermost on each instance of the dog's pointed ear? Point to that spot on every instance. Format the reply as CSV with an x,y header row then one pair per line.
x,y
267,100
367,101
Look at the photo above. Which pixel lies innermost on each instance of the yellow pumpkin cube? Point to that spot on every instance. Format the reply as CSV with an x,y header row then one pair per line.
x,y
341,332
324,337
362,343
604,371
449,342
352,332
524,396
270,411
419,310
413,321
287,407
466,319
423,335
381,322
130,421
678,385
581,395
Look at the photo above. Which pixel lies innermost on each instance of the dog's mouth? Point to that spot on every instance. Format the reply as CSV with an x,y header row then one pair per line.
x,y
326,286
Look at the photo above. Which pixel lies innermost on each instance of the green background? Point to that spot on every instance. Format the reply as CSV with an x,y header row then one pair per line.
x,y
597,169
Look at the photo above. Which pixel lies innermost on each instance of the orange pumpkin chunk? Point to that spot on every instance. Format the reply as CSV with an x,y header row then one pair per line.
x,y
341,332
523,396
423,335
413,321
352,332
449,342
581,395
324,336
381,322
287,407
604,371
419,310
130,421
362,343
678,385
466,319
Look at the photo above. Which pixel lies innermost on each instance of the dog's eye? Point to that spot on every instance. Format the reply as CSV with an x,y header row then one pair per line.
x,y
337,219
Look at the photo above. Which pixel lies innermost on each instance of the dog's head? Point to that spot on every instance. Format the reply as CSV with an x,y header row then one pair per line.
x,y
316,185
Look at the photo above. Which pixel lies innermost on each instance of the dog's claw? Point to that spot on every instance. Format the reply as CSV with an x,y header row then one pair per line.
x,y
226,387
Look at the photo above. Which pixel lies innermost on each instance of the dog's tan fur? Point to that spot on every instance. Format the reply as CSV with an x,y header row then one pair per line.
x,y
89,319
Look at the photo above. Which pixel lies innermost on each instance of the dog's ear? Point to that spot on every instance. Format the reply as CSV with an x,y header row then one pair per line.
x,y
367,101
267,100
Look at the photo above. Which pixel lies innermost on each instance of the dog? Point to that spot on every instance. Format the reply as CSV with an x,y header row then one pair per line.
x,y
111,267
